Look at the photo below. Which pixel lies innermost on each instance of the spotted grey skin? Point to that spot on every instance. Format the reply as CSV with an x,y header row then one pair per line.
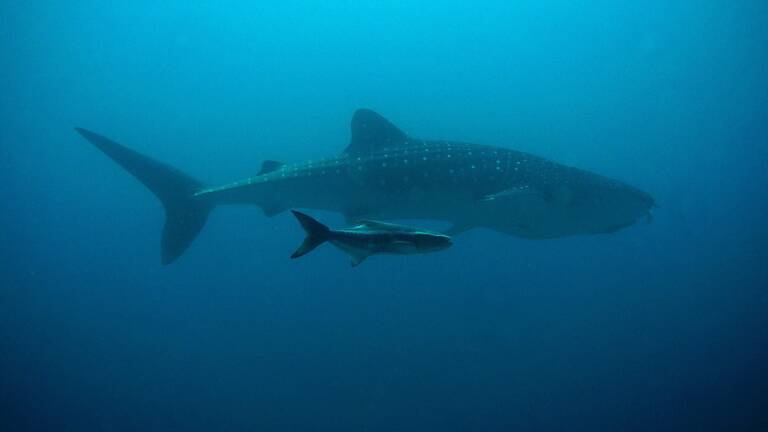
x,y
385,174
467,184
370,238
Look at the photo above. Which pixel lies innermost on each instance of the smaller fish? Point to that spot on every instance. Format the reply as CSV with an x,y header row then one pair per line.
x,y
370,238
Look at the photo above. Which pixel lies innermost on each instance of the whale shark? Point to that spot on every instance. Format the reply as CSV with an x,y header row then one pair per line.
x,y
383,173
368,238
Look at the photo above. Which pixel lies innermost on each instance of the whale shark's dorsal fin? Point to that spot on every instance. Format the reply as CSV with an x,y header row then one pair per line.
x,y
371,132
269,165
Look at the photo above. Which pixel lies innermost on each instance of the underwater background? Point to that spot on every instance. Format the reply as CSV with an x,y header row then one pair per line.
x,y
661,326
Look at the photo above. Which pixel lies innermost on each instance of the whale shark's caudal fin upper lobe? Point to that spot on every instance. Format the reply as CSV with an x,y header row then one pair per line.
x,y
185,214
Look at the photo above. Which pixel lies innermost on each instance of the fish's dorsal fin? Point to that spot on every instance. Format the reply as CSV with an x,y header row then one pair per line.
x,y
371,132
269,165
384,226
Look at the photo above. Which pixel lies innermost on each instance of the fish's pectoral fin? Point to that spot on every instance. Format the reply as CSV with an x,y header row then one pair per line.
x,y
356,259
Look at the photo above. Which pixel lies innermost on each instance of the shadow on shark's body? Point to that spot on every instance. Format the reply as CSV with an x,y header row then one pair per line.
x,y
385,174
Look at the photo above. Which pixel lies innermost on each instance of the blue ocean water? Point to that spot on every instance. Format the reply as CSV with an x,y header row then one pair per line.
x,y
661,326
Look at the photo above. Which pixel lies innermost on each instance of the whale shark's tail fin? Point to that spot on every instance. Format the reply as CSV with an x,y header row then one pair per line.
x,y
317,234
185,214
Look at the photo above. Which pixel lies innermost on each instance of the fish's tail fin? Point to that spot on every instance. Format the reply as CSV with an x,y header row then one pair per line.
x,y
317,234
185,214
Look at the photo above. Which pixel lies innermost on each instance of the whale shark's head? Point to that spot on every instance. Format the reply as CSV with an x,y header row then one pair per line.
x,y
619,208
597,205
605,206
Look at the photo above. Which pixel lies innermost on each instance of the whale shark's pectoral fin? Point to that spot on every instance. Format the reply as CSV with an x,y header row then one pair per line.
x,y
519,199
513,194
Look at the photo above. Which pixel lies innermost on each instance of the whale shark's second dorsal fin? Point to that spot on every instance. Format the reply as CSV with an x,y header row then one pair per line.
x,y
269,165
371,132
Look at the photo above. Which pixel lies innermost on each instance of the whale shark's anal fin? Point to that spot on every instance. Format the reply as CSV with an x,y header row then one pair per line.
x,y
185,215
